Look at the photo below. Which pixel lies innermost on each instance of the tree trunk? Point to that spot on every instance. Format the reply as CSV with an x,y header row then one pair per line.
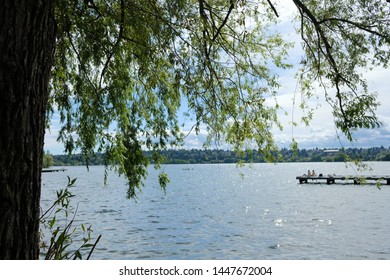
x,y
27,40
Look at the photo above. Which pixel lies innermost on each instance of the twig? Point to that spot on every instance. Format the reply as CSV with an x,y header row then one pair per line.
x,y
93,247
273,8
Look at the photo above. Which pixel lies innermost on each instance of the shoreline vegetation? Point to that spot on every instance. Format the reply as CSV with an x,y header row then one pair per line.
x,y
204,156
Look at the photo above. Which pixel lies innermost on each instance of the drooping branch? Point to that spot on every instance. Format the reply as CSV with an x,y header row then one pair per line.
x,y
204,20
273,8
224,21
203,7
74,48
317,34
367,28
327,53
118,40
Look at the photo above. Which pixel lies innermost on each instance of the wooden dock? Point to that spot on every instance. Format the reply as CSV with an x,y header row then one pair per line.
x,y
53,170
331,179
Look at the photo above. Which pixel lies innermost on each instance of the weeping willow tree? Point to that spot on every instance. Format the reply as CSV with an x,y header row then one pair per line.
x,y
118,72
133,64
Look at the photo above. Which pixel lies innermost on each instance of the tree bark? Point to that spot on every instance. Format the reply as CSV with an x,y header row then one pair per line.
x,y
27,42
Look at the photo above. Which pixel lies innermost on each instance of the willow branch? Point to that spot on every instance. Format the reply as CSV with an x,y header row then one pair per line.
x,y
111,54
224,21
273,8
366,28
328,54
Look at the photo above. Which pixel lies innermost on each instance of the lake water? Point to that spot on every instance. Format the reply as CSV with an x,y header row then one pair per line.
x,y
225,212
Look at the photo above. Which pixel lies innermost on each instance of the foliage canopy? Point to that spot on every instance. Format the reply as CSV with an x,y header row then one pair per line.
x,y
129,65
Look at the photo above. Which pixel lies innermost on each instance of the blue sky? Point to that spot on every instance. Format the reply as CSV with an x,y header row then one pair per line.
x,y
321,133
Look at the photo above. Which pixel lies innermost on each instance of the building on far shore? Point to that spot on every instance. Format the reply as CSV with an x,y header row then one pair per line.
x,y
331,151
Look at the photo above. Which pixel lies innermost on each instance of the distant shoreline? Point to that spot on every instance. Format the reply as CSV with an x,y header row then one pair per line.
x,y
197,156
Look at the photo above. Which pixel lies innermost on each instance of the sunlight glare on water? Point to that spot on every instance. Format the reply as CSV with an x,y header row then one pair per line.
x,y
212,212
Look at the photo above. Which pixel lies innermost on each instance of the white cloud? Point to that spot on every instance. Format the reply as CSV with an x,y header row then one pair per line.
x,y
51,135
51,143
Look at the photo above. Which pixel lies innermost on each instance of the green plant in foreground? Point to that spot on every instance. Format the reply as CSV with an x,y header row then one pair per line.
x,y
61,245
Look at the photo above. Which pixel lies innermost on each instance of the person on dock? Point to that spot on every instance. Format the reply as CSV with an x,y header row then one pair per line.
x,y
313,173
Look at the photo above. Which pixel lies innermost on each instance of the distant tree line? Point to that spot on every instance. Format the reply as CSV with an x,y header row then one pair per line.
x,y
200,156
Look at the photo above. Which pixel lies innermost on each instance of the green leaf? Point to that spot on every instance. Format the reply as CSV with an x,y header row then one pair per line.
x,y
163,180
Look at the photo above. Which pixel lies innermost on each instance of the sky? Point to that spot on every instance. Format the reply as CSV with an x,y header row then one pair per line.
x,y
320,134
